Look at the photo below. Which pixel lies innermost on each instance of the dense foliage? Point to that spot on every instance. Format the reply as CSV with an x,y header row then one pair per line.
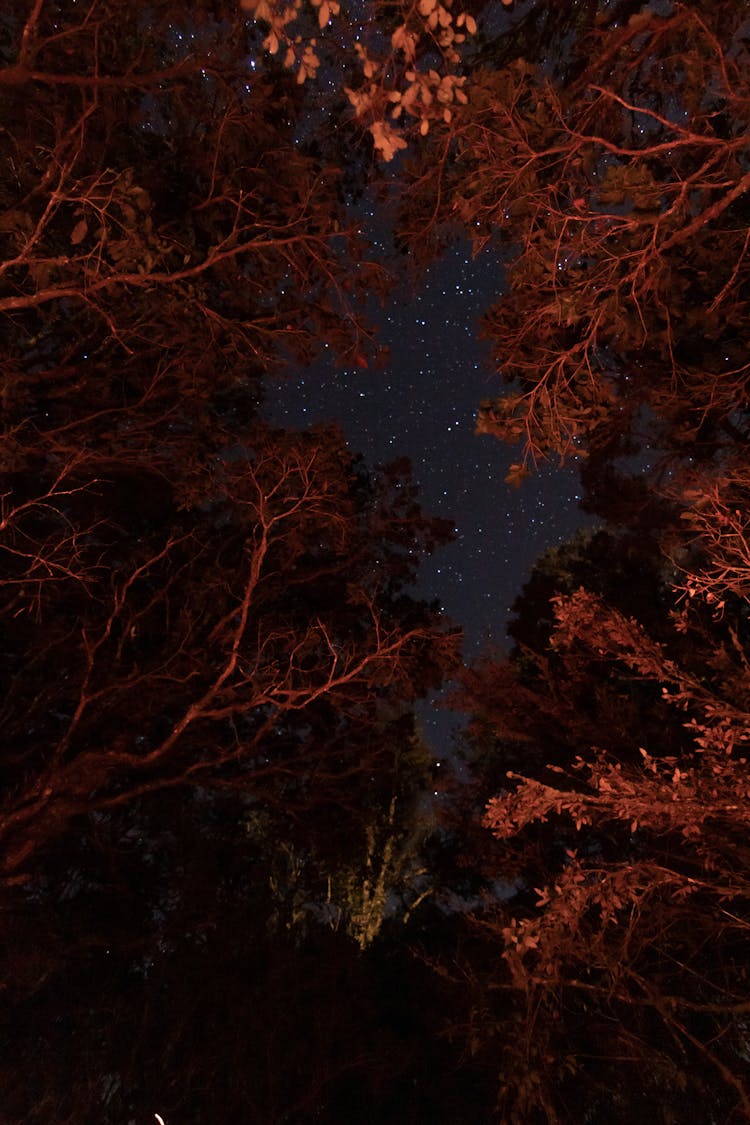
x,y
210,649
612,745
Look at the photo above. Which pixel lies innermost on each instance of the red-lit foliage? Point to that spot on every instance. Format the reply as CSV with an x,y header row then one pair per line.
x,y
244,641
615,753
612,746
189,597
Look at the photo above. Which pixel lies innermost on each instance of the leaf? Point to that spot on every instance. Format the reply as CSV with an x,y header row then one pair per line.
x,y
404,40
387,141
516,475
79,232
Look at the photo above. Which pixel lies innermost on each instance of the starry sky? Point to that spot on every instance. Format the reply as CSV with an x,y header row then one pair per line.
x,y
423,405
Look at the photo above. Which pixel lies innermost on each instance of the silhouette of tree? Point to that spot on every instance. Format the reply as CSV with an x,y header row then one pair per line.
x,y
622,197
611,746
159,206
249,640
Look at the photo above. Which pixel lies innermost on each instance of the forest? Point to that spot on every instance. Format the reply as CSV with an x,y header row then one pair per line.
x,y
234,883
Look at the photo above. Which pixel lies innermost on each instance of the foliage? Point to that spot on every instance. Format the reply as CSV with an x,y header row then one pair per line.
x,y
618,185
223,1014
211,647
405,61
158,208
612,747
267,623
622,195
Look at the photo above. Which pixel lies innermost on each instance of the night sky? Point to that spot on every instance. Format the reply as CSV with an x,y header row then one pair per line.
x,y
423,405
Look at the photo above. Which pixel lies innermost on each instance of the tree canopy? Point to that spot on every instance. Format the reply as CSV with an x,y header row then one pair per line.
x,y
212,648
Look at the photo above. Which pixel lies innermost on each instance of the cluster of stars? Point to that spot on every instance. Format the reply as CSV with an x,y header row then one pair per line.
x,y
423,405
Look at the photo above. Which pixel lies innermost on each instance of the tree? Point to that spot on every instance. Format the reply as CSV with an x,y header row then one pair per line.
x,y
169,241
158,208
249,641
622,197
211,776
182,947
210,646
405,59
193,602
620,191
611,746
610,750
619,184
211,650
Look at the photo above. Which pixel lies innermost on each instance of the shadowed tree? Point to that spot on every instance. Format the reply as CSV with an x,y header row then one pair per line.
x,y
210,647
158,208
250,640
610,748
